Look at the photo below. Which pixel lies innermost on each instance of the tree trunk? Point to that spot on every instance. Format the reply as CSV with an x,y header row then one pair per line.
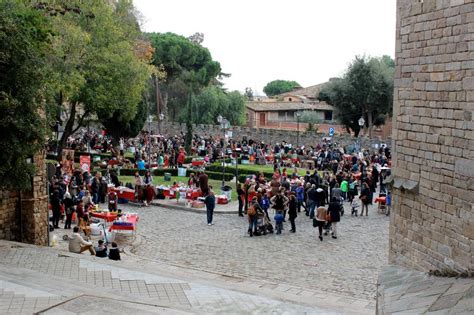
x,y
67,130
161,99
370,122
189,126
158,95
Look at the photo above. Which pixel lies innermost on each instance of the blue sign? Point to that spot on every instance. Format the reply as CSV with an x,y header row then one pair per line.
x,y
331,131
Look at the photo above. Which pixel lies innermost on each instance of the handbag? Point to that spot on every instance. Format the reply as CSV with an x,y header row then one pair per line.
x,y
328,217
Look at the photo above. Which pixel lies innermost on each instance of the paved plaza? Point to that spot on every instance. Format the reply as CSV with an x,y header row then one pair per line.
x,y
178,264
347,266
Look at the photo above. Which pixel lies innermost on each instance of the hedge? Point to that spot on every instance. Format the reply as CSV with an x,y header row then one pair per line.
x,y
231,169
172,171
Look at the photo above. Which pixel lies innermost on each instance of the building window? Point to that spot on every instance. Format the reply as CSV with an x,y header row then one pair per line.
x,y
281,115
328,115
290,99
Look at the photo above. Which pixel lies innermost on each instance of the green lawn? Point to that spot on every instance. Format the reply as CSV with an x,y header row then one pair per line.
x,y
159,180
252,168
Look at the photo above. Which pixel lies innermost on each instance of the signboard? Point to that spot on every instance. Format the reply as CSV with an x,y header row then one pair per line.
x,y
85,162
331,131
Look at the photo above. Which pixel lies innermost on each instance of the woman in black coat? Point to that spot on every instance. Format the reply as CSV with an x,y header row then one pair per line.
x,y
292,211
366,199
334,211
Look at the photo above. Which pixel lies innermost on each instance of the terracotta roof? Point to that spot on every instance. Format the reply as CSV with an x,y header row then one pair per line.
x,y
310,91
280,106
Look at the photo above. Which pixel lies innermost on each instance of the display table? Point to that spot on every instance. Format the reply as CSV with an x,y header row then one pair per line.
x,y
197,163
106,216
193,194
124,193
222,199
168,192
125,223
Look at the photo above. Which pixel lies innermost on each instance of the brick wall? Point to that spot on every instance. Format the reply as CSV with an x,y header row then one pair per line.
x,y
24,216
432,226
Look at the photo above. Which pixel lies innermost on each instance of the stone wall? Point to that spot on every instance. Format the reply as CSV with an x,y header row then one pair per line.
x,y
271,136
432,223
24,215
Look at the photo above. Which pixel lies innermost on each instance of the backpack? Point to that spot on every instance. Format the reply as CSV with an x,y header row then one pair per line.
x,y
251,211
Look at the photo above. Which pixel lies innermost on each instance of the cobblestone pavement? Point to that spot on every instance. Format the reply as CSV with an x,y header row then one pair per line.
x,y
347,266
46,281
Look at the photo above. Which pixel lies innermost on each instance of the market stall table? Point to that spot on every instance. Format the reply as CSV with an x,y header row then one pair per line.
x,y
197,163
125,223
106,216
168,192
193,194
124,193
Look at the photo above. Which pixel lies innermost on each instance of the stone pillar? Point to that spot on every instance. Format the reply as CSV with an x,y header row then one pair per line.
x,y
432,222
24,215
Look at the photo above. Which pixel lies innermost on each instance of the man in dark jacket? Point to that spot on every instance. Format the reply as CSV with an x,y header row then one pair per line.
x,y
210,202
312,201
334,211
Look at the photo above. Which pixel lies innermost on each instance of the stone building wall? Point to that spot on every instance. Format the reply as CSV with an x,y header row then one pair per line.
x,y
272,136
24,215
432,223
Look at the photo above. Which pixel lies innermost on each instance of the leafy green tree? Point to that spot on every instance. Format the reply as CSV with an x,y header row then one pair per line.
x,y
280,86
188,67
98,71
118,126
24,74
235,112
248,93
312,118
365,90
212,102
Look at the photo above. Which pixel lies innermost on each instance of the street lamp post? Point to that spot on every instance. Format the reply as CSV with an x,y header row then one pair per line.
x,y
150,120
361,122
224,124
298,114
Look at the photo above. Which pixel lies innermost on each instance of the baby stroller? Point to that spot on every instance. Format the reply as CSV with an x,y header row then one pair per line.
x,y
264,225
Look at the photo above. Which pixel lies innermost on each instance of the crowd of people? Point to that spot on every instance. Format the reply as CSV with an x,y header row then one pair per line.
x,y
73,196
332,178
320,193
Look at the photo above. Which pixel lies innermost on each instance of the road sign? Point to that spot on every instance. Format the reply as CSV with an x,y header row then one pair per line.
x,y
331,131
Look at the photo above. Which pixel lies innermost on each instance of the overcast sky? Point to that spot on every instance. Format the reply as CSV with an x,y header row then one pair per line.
x,y
258,41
